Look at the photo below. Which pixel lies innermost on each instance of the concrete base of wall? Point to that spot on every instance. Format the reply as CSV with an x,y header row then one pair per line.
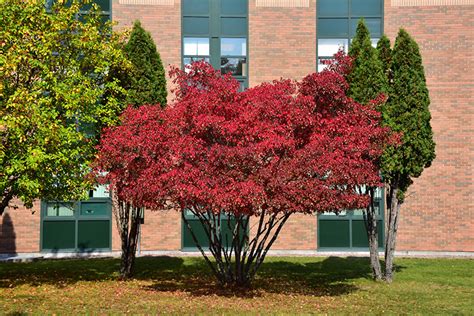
x,y
30,257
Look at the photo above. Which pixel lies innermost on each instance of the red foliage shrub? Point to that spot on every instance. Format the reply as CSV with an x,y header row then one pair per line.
x,y
277,148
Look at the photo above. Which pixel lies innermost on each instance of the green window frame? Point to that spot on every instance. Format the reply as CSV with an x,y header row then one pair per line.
x,y
77,226
337,22
216,20
346,230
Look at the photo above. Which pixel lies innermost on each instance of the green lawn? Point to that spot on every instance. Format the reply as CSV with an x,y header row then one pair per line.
x,y
289,285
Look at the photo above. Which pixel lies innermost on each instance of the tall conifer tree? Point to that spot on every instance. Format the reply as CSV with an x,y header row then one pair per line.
x,y
367,81
147,84
385,54
407,111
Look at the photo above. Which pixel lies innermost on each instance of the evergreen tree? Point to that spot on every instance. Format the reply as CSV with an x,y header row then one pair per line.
x,y
407,111
367,79
147,83
385,54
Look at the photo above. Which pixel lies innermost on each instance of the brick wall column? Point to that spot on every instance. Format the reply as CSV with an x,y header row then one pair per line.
x,y
439,208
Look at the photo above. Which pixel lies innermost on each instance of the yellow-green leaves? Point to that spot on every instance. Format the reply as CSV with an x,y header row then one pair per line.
x,y
54,80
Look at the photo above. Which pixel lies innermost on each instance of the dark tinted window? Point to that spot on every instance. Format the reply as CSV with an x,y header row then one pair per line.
x,y
366,7
195,26
195,7
234,7
333,8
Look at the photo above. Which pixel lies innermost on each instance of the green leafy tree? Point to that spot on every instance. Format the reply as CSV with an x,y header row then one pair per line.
x,y
147,83
407,112
56,93
367,81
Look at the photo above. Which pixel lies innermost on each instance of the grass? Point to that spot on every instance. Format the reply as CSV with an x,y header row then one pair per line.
x,y
285,285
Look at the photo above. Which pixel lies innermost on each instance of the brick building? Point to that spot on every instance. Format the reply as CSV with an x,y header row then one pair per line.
x,y
262,40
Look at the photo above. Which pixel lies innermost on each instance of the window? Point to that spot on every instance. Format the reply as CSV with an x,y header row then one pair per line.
x,y
79,225
101,191
76,226
337,23
194,49
56,209
196,46
216,31
347,229
233,56
104,5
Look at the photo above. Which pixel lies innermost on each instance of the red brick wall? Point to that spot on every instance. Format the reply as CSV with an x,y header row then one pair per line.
x,y
20,229
282,42
161,231
299,233
116,244
439,208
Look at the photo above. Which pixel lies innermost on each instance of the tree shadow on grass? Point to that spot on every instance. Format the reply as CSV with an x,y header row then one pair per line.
x,y
330,276
57,272
65,272
193,275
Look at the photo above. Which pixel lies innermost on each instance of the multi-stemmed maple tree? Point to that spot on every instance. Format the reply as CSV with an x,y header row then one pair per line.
x,y
256,157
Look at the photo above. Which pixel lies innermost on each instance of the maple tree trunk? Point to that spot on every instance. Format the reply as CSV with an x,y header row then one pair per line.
x,y
6,198
128,223
236,261
390,241
370,220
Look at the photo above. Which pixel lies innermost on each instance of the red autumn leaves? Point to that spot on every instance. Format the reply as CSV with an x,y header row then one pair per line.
x,y
283,146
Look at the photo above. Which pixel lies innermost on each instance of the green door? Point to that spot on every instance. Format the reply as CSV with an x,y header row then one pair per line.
x,y
347,229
